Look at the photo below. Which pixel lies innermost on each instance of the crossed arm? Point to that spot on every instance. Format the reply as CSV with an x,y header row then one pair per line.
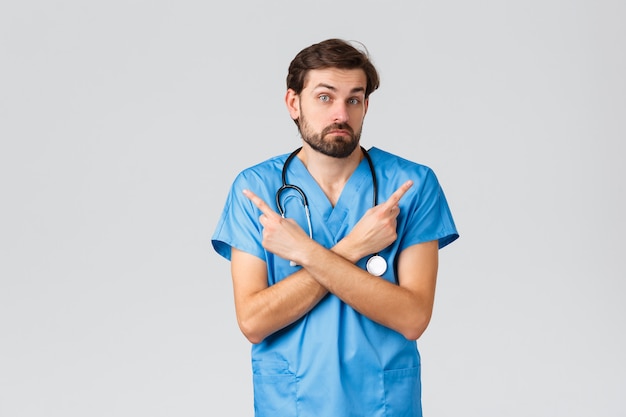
x,y
261,309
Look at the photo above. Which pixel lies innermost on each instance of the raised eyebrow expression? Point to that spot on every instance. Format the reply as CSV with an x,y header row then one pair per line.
x,y
354,91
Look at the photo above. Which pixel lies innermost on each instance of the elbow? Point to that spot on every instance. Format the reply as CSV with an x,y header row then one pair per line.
x,y
413,334
251,332
414,328
253,338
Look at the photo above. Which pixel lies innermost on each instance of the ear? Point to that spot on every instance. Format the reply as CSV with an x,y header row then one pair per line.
x,y
366,104
292,100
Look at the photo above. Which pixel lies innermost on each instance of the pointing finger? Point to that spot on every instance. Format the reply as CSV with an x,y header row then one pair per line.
x,y
257,201
398,194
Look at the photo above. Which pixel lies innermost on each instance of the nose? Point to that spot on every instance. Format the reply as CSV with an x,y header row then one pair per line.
x,y
340,113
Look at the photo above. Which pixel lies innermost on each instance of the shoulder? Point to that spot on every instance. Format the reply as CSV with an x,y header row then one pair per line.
x,y
263,171
391,165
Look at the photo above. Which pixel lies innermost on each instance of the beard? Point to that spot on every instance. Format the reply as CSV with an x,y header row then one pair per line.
x,y
334,146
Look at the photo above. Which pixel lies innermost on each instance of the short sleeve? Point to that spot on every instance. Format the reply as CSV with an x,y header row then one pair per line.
x,y
429,216
238,225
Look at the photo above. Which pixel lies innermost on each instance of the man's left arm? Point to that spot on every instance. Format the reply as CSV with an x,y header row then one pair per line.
x,y
406,307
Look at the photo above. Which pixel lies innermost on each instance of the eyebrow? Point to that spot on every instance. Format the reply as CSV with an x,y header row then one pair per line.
x,y
330,87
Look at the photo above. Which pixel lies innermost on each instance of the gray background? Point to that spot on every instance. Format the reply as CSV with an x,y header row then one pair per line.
x,y
122,125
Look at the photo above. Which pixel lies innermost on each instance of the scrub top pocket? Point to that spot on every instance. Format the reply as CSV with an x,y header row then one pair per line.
x,y
403,390
275,390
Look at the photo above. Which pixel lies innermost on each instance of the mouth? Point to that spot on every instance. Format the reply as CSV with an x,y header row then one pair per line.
x,y
339,132
339,129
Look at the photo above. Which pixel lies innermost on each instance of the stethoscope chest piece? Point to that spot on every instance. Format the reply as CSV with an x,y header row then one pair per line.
x,y
376,265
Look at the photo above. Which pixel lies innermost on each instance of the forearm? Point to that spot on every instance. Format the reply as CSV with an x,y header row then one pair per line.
x,y
277,306
267,309
404,309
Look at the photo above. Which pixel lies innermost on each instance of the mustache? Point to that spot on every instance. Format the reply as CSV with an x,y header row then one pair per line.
x,y
337,126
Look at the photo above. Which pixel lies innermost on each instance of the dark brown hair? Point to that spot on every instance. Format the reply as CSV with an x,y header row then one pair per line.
x,y
331,53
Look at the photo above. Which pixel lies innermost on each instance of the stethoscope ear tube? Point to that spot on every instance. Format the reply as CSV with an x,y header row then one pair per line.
x,y
376,265
284,187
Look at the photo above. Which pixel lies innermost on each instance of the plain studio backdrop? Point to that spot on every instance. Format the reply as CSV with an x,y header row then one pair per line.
x,y
123,124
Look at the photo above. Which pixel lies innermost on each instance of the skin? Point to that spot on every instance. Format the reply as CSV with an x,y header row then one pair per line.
x,y
333,97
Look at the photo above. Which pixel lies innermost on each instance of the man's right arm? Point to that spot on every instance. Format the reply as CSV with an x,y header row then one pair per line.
x,y
261,309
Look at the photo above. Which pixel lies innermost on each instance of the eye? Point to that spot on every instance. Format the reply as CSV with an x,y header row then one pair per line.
x,y
324,98
354,101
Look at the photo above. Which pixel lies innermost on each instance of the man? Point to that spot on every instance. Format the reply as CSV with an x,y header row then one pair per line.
x,y
333,328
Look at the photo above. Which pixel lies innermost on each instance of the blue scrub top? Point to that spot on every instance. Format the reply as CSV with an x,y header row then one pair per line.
x,y
335,361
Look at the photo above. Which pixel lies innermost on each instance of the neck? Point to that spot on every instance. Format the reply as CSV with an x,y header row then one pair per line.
x,y
330,173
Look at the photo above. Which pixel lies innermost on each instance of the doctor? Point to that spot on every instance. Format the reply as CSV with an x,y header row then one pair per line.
x,y
329,337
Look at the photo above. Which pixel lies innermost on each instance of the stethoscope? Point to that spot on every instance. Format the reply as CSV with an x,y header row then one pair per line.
x,y
376,264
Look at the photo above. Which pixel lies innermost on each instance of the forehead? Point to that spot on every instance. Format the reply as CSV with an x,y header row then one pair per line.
x,y
336,78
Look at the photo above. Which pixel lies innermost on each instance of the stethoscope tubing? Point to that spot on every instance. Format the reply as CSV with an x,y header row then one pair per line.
x,y
376,265
285,186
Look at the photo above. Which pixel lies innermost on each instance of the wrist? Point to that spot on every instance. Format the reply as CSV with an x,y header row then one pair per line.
x,y
344,249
